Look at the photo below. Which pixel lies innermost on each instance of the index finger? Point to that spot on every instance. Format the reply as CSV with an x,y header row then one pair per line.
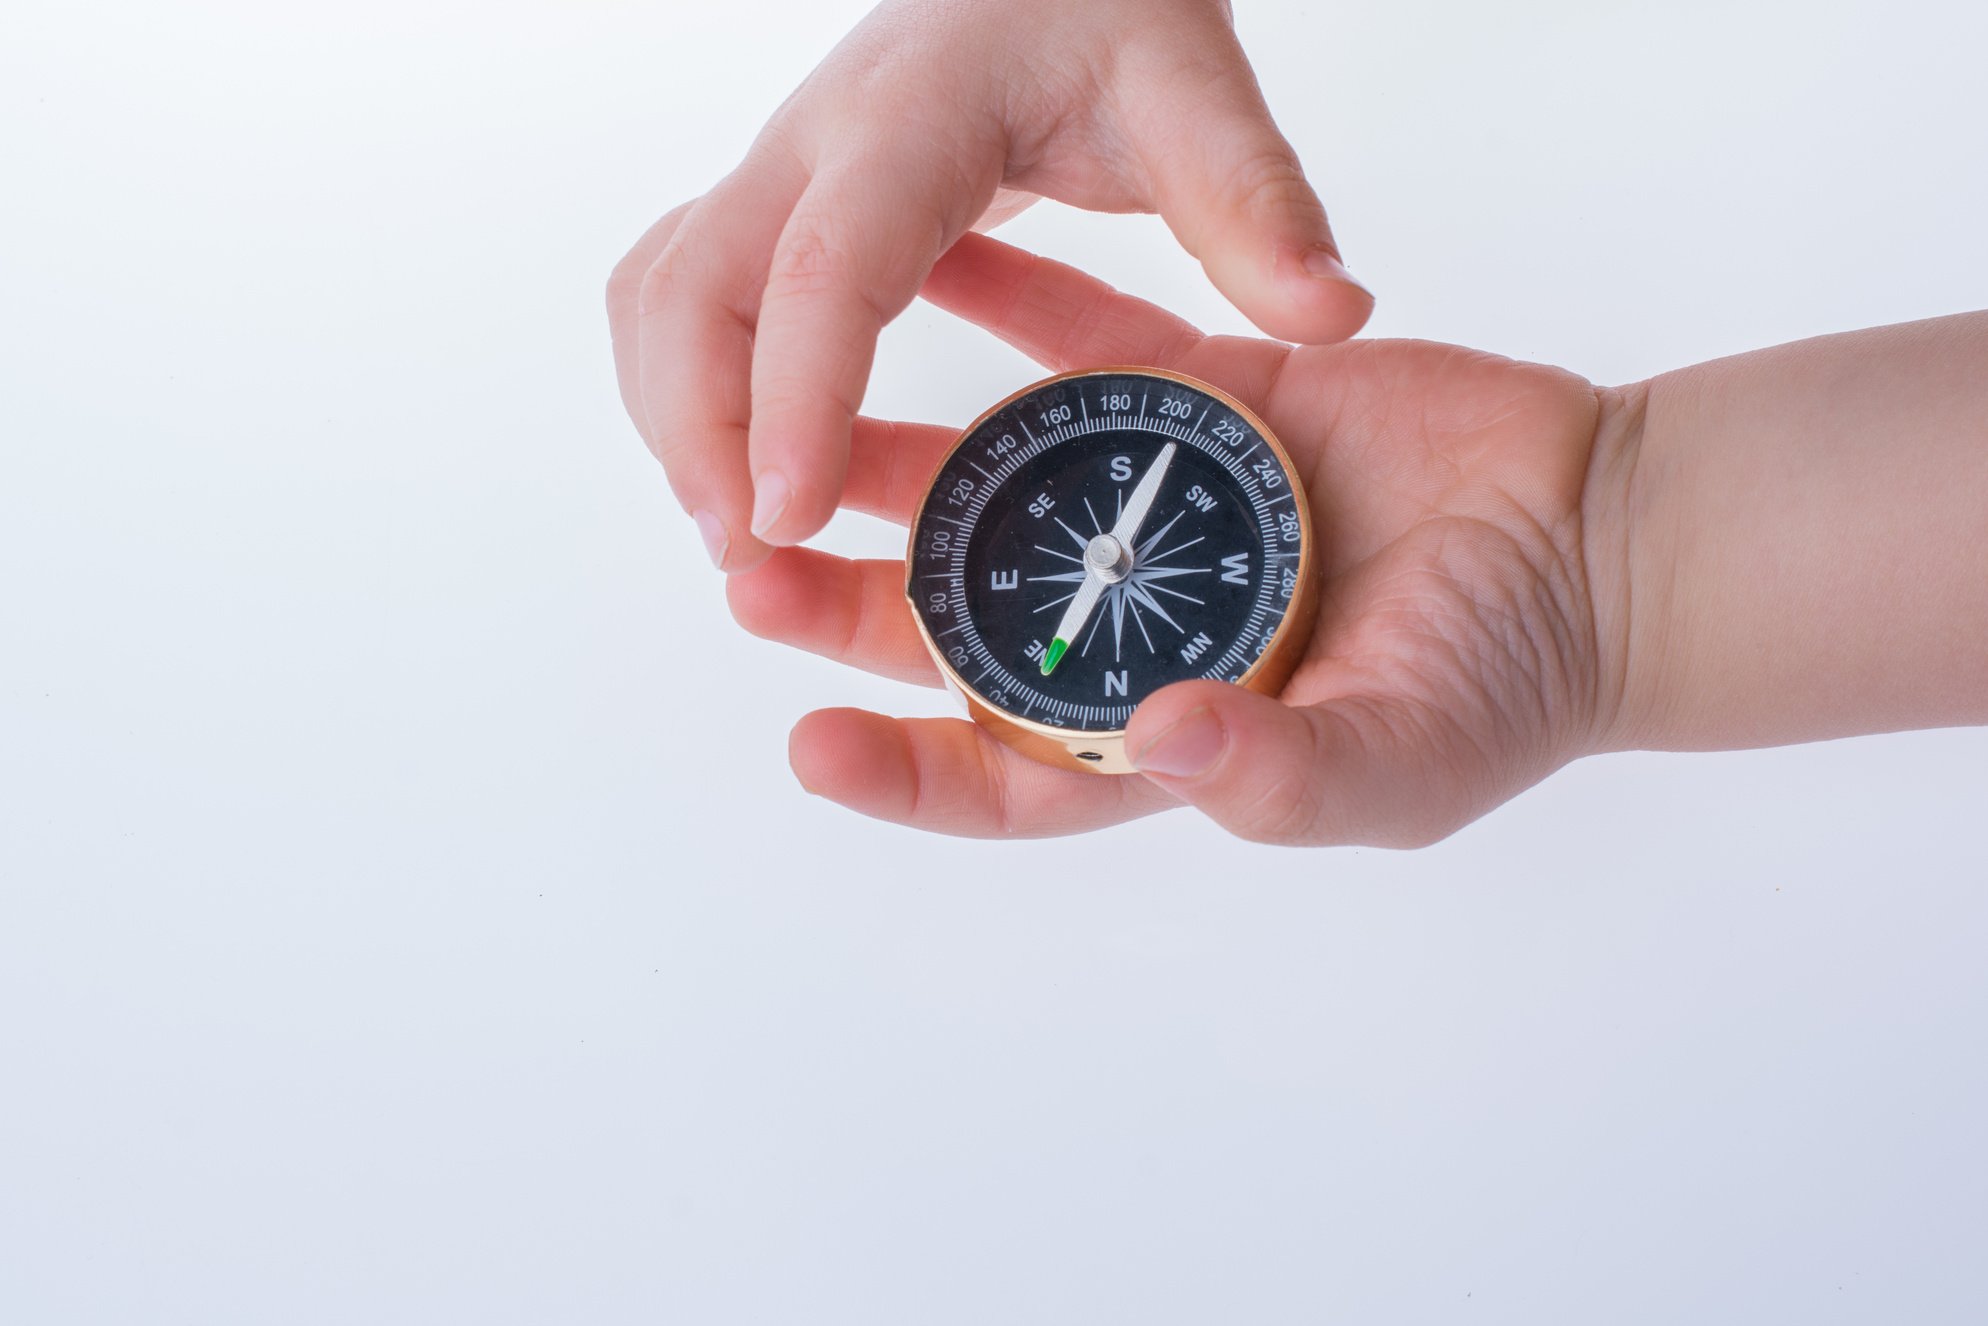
x,y
694,336
851,258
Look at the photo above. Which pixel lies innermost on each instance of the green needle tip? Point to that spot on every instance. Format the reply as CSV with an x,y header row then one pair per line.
x,y
1054,655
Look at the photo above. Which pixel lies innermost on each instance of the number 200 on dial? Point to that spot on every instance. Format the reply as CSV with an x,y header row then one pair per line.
x,y
1100,535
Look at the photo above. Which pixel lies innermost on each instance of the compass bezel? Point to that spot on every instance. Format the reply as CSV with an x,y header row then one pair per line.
x,y
1103,752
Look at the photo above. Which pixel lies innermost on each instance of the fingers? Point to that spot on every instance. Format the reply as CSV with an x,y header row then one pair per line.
x,y
891,465
946,775
1231,189
852,612
624,290
850,258
696,307
1053,313
1354,770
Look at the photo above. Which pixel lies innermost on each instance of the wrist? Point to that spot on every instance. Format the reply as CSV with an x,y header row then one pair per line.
x,y
1623,521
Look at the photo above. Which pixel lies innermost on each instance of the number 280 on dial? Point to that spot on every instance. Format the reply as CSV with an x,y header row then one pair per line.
x,y
1102,534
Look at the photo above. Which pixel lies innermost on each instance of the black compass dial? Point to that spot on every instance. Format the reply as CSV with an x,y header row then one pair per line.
x,y
1102,536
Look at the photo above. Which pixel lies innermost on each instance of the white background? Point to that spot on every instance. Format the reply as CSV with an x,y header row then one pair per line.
x,y
408,915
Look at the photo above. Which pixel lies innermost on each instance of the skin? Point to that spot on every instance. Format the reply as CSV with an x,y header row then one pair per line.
x,y
745,321
1520,568
1457,658
1802,539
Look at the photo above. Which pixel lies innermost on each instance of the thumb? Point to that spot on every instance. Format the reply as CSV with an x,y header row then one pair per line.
x,y
1347,771
1234,194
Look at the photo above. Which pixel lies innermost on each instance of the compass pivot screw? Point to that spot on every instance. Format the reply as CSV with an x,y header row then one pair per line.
x,y
1109,559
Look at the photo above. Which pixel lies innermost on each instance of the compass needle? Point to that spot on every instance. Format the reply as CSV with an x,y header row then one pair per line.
x,y
988,567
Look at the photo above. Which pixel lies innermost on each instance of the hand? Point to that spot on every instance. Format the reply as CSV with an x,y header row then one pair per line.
x,y
1466,644
745,322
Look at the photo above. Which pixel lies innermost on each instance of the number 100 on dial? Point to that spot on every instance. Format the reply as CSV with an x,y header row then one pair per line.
x,y
1100,535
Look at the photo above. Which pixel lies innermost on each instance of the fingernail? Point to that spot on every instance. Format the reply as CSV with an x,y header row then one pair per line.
x,y
770,497
1188,746
716,541
1325,265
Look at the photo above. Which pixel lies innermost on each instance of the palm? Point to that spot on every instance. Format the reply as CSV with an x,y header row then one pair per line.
x,y
1446,488
1455,647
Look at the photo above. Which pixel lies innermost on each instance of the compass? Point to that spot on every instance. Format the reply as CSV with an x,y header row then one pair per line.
x,y
1102,534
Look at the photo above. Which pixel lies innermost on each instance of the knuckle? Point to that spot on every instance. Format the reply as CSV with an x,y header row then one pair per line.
x,y
998,795
854,629
1280,811
1288,807
624,283
815,263
1268,179
894,486
800,400
744,609
1084,326
670,449
810,260
808,387
662,277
